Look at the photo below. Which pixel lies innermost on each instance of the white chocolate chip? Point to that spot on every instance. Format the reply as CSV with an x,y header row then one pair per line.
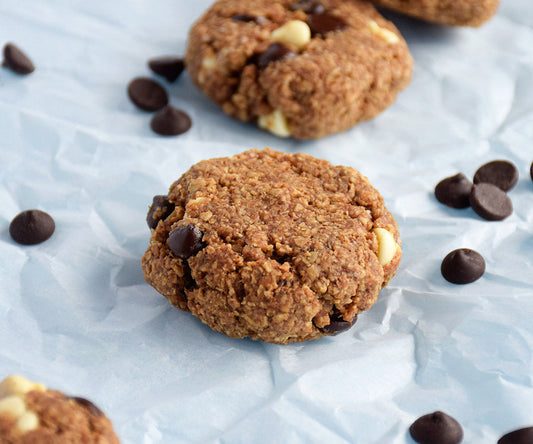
x,y
387,246
276,123
18,385
383,33
27,422
209,62
14,405
294,32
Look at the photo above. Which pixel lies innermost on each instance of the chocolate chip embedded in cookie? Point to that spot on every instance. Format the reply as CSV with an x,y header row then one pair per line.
x,y
304,69
273,246
445,12
31,413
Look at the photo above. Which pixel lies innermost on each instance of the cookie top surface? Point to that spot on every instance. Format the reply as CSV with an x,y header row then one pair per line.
x,y
339,66
272,245
32,414
445,12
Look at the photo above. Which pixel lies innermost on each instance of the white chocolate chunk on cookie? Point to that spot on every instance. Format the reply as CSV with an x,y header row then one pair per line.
x,y
383,33
18,385
294,32
387,246
12,391
27,422
13,404
276,123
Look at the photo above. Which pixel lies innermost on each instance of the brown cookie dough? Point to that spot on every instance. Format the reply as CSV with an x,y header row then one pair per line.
x,y
445,12
272,246
304,69
32,414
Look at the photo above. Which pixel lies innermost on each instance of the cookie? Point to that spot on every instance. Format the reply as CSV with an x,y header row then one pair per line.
x,y
272,246
31,413
445,12
304,69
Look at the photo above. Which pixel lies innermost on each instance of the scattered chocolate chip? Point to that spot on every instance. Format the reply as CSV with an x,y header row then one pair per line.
x,y
147,94
31,227
324,22
520,436
16,60
501,173
454,191
462,266
160,209
170,121
88,405
168,67
436,428
308,6
490,202
276,51
244,18
531,171
337,324
185,241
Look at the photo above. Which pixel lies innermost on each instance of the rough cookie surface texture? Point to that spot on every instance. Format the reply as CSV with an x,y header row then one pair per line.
x,y
304,69
272,246
445,12
32,414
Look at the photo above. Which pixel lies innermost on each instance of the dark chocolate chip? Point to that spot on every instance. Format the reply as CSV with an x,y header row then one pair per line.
x,y
88,405
462,266
454,191
520,436
337,324
32,227
16,60
170,121
308,6
501,173
531,171
490,202
276,51
244,18
324,23
160,209
436,428
185,241
168,67
147,94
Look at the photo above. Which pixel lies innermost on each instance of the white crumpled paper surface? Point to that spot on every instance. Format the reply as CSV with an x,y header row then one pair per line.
x,y
76,314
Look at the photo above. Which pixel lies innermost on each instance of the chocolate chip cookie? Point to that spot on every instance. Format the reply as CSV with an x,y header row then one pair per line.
x,y
272,246
445,12
304,69
31,413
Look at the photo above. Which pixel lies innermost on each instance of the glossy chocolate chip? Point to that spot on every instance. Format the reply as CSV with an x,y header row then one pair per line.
x,y
520,436
337,324
147,94
185,241
88,405
436,428
454,191
243,18
490,202
308,6
170,121
160,209
168,67
531,171
32,227
501,173
325,22
276,51
16,60
462,266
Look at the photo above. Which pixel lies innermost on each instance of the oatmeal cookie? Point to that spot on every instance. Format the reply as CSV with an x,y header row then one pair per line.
x,y
272,246
445,12
304,69
32,414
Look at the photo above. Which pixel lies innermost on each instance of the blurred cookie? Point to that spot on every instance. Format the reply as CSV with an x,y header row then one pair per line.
x,y
304,69
31,413
272,246
445,12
